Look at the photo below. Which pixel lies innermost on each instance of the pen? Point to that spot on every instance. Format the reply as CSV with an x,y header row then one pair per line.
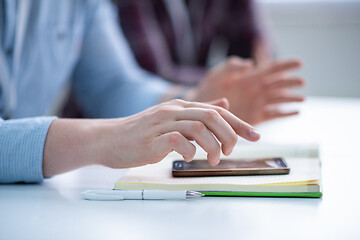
x,y
115,195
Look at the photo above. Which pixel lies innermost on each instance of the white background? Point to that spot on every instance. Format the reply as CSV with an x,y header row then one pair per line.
x,y
325,34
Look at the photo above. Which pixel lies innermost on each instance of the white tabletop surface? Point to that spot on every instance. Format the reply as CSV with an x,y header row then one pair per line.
x,y
54,209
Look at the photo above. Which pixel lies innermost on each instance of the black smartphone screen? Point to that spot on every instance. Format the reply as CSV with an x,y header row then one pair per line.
x,y
231,167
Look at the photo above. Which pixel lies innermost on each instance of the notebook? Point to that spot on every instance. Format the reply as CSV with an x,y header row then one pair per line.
x,y
304,179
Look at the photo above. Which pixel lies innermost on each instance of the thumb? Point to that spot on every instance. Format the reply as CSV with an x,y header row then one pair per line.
x,y
222,102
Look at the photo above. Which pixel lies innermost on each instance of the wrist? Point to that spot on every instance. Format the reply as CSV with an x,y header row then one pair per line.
x,y
93,138
71,144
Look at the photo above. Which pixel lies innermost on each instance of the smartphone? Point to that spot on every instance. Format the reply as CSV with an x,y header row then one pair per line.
x,y
227,167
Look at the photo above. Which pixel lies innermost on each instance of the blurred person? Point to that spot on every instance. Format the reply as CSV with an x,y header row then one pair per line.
x,y
175,40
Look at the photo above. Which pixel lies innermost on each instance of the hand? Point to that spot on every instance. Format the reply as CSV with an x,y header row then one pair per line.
x,y
144,138
254,93
154,133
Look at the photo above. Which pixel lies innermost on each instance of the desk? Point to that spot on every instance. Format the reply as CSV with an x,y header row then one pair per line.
x,y
54,209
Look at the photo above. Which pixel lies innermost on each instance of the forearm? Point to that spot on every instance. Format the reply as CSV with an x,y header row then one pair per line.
x,y
71,144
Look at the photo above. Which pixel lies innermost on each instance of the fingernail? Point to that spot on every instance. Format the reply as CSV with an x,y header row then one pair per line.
x,y
228,151
215,162
187,159
254,134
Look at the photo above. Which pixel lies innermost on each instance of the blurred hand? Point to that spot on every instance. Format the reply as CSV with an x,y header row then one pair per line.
x,y
254,93
144,138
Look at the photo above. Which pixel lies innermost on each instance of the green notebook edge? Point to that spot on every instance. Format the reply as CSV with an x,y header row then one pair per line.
x,y
263,194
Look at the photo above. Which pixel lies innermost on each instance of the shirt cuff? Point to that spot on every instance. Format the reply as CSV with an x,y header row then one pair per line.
x,y
22,146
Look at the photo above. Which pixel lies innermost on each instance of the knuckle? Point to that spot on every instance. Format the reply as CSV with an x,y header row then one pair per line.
x,y
177,102
197,127
212,115
231,139
174,139
220,110
239,127
164,111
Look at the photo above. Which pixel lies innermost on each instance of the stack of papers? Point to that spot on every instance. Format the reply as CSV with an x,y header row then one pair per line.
x,y
302,181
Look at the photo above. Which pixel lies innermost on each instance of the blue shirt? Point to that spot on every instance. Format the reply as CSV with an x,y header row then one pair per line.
x,y
57,43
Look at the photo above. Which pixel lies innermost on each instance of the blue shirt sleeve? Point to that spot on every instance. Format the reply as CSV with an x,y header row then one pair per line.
x,y
22,145
107,80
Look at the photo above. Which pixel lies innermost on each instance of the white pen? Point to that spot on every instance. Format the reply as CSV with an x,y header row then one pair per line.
x,y
115,195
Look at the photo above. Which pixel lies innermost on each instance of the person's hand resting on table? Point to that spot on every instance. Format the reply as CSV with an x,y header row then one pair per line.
x,y
254,93
144,138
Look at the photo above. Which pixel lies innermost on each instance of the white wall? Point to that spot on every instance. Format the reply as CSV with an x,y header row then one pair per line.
x,y
325,34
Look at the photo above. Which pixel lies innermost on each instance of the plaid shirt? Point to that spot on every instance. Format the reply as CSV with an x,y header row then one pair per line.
x,y
155,40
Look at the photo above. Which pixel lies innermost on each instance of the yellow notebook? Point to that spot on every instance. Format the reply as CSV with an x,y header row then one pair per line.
x,y
302,181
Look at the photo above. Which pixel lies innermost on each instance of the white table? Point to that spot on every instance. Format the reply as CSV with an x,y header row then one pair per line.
x,y
54,209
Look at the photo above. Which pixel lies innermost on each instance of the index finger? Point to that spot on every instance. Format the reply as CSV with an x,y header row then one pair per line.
x,y
241,128
278,67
